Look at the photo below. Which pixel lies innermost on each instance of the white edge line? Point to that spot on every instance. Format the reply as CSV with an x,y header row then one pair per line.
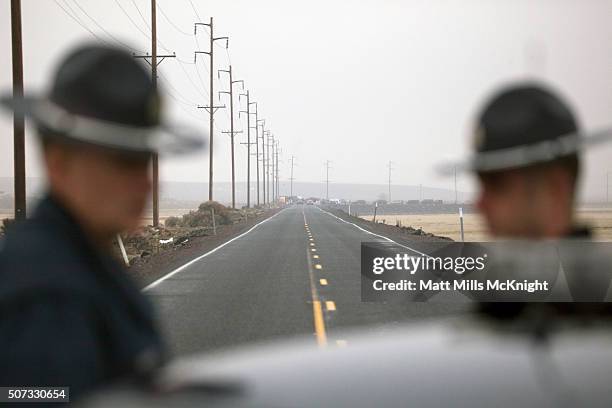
x,y
180,268
371,233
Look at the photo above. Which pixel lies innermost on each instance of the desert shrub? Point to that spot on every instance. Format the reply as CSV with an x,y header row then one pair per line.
x,y
172,222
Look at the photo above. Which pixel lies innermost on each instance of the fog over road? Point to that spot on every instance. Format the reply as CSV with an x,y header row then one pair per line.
x,y
297,273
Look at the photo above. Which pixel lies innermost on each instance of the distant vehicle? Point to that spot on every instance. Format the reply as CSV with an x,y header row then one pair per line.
x,y
309,202
299,202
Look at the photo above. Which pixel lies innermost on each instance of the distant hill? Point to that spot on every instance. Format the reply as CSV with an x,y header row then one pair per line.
x,y
189,194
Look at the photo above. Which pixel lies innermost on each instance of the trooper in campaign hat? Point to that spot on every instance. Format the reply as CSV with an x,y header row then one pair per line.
x,y
69,316
527,143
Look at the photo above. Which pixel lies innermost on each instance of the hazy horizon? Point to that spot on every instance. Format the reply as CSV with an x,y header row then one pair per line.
x,y
359,83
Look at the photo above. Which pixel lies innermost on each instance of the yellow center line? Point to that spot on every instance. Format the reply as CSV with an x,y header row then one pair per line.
x,y
317,266
323,282
317,310
315,256
330,306
319,323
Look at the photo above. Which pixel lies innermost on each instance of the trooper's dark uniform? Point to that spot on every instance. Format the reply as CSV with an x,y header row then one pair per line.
x,y
69,315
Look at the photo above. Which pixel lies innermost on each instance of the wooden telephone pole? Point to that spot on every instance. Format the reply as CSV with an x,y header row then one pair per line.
x,y
18,119
231,131
390,165
211,108
263,160
278,151
327,163
154,62
291,178
248,145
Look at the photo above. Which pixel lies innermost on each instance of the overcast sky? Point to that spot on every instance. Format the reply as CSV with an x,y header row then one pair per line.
x,y
355,82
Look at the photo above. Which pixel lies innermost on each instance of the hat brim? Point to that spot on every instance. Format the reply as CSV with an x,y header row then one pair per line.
x,y
164,139
527,155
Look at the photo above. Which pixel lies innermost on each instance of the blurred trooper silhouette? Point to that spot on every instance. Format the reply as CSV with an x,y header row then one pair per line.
x,y
527,144
527,162
69,316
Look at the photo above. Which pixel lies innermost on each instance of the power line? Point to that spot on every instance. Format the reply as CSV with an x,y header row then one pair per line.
x,y
103,29
79,22
144,20
180,95
177,28
195,11
148,36
192,82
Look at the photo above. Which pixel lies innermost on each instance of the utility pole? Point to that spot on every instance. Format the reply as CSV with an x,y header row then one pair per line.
x,y
248,144
608,187
263,160
231,132
18,118
327,163
257,154
271,166
456,185
390,165
268,145
211,108
278,151
154,60
291,178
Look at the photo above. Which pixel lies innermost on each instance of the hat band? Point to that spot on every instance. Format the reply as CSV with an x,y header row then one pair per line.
x,y
94,131
526,155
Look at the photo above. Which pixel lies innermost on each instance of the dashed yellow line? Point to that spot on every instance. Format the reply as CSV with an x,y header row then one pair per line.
x,y
318,266
317,310
330,306
323,282
315,256
341,343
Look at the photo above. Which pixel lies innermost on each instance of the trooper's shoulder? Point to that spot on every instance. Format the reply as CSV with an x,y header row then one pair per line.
x,y
36,255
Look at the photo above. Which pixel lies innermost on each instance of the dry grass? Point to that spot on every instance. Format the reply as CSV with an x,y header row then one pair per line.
x,y
447,225
147,219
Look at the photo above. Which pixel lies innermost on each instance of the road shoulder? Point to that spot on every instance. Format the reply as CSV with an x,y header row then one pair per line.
x,y
155,266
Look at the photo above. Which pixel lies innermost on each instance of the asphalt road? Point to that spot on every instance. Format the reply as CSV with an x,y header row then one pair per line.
x,y
296,273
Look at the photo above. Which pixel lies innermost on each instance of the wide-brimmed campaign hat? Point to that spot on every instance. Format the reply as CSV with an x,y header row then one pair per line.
x,y
524,125
102,96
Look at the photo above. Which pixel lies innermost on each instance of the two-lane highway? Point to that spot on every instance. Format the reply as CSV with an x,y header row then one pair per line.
x,y
296,273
